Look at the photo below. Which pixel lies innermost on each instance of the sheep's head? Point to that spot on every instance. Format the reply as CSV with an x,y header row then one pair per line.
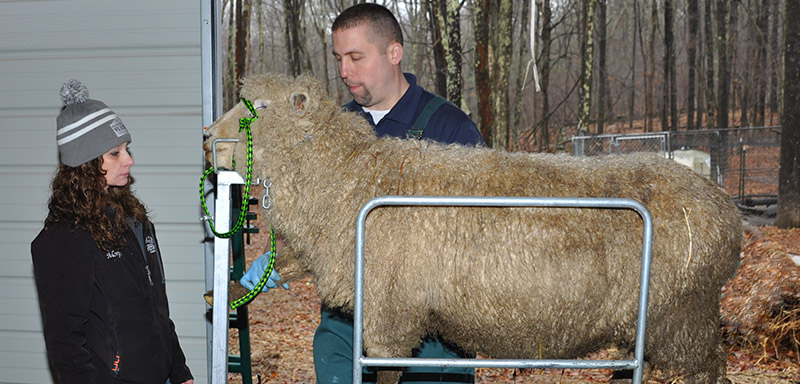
x,y
285,110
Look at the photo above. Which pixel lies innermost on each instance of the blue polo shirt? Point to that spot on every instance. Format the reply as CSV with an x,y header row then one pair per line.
x,y
449,124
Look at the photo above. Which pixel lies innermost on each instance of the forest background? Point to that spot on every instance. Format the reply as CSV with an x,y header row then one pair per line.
x,y
603,66
589,67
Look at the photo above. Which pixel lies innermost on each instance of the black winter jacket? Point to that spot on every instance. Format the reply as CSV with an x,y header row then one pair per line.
x,y
105,314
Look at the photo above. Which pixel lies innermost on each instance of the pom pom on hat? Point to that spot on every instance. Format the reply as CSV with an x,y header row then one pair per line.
x,y
86,128
73,92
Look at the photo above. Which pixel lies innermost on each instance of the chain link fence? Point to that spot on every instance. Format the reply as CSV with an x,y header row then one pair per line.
x,y
745,161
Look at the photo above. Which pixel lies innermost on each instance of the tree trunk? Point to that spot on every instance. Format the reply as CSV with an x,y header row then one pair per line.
x,y
500,75
483,83
761,73
732,51
452,43
437,10
711,103
587,66
775,60
670,84
602,84
635,31
525,34
299,60
544,79
242,38
651,69
724,82
420,28
719,153
230,90
789,175
691,57
321,26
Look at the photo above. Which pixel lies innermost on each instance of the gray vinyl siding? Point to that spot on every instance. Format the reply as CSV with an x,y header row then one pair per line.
x,y
143,59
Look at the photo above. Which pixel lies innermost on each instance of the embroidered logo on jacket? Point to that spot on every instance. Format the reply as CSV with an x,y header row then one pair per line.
x,y
113,255
151,244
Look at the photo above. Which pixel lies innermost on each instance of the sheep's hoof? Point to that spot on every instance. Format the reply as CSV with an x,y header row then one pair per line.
x,y
621,377
389,376
235,292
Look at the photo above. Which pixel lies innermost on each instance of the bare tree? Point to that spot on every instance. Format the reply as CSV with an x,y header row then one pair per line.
x,y
602,72
544,80
483,83
775,60
299,61
500,54
437,9
718,158
321,23
651,68
587,66
635,32
452,43
709,35
761,74
526,34
724,78
693,19
789,175
669,116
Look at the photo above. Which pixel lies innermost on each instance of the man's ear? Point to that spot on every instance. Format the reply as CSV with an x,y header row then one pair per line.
x,y
395,53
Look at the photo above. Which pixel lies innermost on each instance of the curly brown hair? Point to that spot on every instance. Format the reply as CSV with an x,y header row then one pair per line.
x,y
79,196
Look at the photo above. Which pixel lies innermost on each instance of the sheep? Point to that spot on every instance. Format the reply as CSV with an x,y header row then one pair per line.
x,y
501,282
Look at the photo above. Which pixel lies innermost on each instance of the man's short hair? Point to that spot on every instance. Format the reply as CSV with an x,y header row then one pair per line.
x,y
383,23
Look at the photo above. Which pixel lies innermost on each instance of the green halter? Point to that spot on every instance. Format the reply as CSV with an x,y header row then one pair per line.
x,y
244,124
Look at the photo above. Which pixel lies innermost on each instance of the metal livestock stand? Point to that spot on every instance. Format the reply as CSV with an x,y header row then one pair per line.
x,y
637,364
222,218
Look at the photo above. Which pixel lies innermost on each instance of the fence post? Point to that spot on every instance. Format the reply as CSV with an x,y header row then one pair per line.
x,y
742,167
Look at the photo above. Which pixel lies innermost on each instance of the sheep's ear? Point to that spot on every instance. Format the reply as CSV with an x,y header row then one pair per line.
x,y
299,101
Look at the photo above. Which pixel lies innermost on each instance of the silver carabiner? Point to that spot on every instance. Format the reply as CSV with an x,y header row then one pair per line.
x,y
266,201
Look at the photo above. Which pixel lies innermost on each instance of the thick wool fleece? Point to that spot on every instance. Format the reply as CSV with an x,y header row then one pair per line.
x,y
498,281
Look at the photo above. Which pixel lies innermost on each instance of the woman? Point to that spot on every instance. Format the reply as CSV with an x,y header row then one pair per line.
x,y
97,264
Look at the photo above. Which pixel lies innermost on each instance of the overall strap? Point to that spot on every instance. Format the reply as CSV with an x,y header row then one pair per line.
x,y
415,132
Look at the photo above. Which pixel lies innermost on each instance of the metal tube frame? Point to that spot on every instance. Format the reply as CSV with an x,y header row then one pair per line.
x,y
220,311
211,90
637,364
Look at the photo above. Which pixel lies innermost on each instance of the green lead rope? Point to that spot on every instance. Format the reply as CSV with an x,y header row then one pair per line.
x,y
263,281
244,124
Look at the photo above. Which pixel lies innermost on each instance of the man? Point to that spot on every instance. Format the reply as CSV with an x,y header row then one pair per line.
x,y
368,47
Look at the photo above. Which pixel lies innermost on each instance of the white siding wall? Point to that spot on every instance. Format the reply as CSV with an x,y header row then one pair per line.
x,y
143,59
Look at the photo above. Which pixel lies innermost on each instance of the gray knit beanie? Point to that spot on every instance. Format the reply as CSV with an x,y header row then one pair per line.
x,y
86,128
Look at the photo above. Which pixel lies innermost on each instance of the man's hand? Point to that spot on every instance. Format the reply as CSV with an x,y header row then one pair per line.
x,y
256,270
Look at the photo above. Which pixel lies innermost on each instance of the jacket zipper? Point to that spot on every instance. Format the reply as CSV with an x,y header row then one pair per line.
x,y
149,278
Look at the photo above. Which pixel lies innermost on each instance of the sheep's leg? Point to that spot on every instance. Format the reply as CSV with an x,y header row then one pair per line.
x,y
685,339
716,372
626,377
391,334
389,376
